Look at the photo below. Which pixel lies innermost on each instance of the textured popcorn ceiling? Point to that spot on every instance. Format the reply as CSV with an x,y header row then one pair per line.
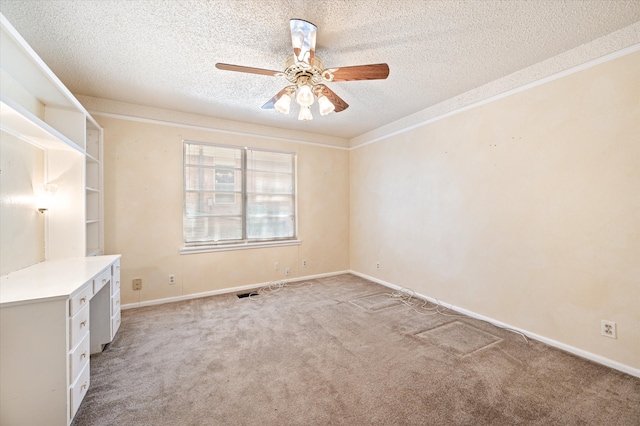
x,y
162,53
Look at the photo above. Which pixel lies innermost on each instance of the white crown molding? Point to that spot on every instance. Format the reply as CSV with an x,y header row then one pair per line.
x,y
151,115
601,50
568,348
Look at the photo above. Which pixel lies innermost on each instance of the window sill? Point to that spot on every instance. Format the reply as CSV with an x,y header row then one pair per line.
x,y
238,246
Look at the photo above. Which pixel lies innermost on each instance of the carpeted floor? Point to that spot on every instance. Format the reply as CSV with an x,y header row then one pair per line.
x,y
339,351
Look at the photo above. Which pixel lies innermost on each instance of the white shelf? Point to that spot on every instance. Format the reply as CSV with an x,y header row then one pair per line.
x,y
23,124
28,69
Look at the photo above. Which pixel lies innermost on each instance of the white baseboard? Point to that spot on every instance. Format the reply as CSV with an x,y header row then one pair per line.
x,y
567,348
223,291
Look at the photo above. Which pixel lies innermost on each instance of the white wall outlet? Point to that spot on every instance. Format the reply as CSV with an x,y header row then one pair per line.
x,y
287,272
608,328
378,265
276,266
172,279
304,263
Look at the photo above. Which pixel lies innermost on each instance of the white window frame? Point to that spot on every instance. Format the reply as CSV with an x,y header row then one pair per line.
x,y
211,246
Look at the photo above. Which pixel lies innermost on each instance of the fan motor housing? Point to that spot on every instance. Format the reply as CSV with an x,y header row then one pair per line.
x,y
294,70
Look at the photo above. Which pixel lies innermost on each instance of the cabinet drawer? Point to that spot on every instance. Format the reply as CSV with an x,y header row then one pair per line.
x,y
115,303
115,286
79,358
81,299
78,327
101,280
115,324
115,268
79,390
115,271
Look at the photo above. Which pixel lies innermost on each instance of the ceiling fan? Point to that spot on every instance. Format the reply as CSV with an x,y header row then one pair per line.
x,y
306,72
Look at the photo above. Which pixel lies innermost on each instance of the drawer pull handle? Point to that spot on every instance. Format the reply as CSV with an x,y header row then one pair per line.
x,y
83,323
84,386
84,355
104,280
83,299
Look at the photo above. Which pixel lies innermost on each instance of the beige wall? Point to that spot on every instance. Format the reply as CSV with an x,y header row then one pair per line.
x,y
143,213
21,224
525,210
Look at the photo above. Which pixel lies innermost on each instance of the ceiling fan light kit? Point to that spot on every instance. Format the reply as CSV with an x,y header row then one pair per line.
x,y
305,113
325,105
306,72
304,97
283,104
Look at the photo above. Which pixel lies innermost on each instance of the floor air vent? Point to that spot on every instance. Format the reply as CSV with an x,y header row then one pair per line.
x,y
251,293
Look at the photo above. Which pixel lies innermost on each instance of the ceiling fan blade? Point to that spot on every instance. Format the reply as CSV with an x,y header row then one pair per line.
x,y
360,72
272,102
303,39
335,99
240,68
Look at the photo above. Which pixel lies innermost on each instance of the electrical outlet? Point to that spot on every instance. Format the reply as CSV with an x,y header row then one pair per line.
x,y
172,279
608,328
276,266
287,272
378,265
304,263
137,283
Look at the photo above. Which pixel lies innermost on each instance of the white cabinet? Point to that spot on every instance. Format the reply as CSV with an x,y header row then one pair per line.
x,y
115,298
36,107
53,315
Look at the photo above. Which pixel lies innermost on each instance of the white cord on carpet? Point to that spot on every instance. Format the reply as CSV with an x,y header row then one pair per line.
x,y
406,296
275,286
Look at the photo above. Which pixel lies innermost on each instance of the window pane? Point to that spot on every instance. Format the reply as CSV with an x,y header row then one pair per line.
x,y
216,229
270,227
269,161
211,203
270,205
213,178
266,182
208,155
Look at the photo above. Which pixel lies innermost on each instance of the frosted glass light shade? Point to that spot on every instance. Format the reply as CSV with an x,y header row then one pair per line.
x,y
325,105
44,195
305,96
283,104
305,113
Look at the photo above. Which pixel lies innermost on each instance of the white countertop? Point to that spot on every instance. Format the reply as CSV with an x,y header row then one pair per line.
x,y
51,279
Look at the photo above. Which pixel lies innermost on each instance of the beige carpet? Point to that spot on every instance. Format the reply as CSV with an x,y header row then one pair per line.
x,y
339,351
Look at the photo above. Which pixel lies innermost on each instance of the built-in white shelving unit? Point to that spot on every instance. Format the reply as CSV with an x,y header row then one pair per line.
x,y
36,107
94,194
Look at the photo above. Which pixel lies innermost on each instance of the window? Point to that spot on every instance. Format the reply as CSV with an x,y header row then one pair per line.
x,y
237,195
